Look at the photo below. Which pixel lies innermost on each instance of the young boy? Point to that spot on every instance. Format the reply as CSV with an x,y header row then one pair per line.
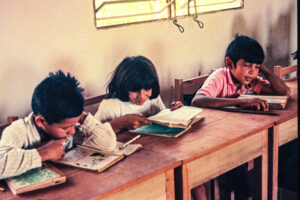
x,y
45,134
243,60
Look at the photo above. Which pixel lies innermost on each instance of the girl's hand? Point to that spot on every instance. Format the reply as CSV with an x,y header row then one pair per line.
x,y
175,105
128,122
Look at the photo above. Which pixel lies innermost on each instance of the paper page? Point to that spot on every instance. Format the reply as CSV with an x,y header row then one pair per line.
x,y
88,160
183,115
130,149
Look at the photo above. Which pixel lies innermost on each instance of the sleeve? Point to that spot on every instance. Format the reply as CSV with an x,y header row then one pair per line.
x,y
157,105
212,86
99,135
14,160
258,84
108,110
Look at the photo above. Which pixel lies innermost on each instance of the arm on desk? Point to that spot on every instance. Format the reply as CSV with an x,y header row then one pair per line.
x,y
200,100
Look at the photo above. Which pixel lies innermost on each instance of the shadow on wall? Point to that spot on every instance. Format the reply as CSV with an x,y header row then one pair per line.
x,y
278,44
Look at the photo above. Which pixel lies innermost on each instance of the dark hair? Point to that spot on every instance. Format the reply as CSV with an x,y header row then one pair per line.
x,y
133,74
243,47
58,97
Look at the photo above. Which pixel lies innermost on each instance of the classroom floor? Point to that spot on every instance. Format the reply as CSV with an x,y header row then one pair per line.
x,y
287,195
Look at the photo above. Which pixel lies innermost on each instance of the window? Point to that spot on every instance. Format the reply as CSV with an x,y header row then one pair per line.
x,y
110,13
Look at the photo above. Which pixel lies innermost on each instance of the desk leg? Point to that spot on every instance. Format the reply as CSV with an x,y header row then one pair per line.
x,y
185,182
261,171
273,162
265,166
170,186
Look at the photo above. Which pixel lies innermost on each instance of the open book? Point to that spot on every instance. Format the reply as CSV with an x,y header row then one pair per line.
x,y
94,159
275,102
37,178
169,123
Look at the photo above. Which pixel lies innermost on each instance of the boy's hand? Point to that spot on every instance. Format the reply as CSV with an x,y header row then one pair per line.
x,y
265,70
175,105
129,122
53,150
258,104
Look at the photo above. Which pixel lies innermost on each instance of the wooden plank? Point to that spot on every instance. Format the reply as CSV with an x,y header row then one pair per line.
x,y
288,131
186,189
210,166
170,184
273,168
264,166
153,188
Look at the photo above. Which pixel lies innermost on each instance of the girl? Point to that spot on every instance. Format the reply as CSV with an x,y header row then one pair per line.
x,y
133,95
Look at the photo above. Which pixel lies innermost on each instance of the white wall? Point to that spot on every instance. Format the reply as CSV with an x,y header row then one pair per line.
x,y
37,37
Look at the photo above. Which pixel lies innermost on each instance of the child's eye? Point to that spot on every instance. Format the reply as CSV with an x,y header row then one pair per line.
x,y
257,67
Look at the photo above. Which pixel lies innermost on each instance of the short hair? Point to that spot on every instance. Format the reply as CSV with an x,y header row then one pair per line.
x,y
58,97
133,74
243,47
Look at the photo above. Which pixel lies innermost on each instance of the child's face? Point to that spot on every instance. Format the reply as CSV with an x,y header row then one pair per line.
x,y
244,71
140,97
63,129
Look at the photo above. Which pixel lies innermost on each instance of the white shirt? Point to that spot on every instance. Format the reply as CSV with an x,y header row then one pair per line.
x,y
110,109
19,141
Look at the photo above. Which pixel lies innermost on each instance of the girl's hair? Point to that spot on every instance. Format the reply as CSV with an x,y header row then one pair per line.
x,y
133,74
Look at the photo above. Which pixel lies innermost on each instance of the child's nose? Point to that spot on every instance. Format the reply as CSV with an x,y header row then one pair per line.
x,y
143,95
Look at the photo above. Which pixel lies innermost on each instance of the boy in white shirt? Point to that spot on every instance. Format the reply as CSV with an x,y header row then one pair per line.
x,y
45,134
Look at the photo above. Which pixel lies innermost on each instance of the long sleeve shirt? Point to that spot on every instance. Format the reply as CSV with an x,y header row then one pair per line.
x,y
110,109
19,141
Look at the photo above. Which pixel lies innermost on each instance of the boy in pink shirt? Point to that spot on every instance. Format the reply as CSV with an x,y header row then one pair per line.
x,y
243,60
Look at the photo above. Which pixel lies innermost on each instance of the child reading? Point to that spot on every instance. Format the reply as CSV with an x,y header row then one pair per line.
x,y
46,133
133,95
243,59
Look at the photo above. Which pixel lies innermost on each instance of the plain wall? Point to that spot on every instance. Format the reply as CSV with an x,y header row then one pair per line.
x,y
38,37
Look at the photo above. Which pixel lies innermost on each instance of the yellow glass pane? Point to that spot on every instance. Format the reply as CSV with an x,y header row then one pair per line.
x,y
186,7
112,12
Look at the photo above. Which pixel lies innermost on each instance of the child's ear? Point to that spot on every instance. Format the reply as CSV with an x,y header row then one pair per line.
x,y
40,121
229,63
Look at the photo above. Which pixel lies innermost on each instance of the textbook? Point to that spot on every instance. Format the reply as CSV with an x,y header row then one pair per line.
x,y
169,123
94,159
275,102
34,179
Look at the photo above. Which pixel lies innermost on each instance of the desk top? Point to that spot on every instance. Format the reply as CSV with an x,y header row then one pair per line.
x,y
85,184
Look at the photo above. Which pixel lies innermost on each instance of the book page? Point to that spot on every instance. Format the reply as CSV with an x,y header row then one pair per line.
x,y
32,176
280,100
130,149
88,160
181,116
270,99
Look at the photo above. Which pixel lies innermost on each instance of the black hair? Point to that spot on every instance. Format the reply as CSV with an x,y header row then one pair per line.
x,y
133,74
58,97
243,47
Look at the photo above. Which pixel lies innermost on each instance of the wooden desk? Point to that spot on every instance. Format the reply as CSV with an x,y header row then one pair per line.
x,y
143,175
222,142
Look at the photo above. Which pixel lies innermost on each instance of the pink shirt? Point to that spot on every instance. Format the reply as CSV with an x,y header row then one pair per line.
x,y
220,84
